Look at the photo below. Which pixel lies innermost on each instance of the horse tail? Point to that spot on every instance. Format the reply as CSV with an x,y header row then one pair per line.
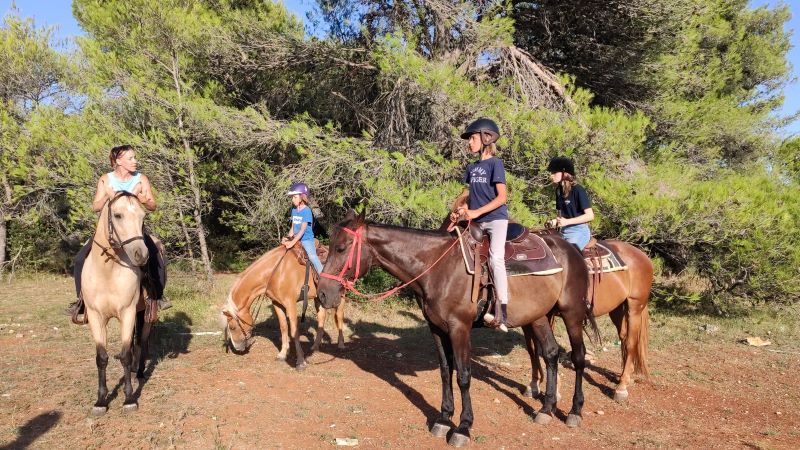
x,y
640,358
590,327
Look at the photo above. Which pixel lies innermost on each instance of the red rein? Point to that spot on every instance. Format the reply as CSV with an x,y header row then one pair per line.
x,y
358,239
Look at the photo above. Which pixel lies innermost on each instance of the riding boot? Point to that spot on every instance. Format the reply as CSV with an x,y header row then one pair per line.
x,y
74,308
502,318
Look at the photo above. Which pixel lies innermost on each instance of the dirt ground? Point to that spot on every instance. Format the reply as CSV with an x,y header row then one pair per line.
x,y
708,390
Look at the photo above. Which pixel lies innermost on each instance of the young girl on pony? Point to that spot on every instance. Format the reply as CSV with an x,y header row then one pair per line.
x,y
302,222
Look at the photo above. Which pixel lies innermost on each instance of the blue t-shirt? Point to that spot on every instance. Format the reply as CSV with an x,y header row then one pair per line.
x,y
298,218
575,204
118,185
482,176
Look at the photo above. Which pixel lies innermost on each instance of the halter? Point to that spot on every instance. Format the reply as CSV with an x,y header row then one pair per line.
x,y
355,249
358,234
113,236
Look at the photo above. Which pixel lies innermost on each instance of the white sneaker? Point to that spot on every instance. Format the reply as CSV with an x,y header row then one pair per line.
x,y
488,317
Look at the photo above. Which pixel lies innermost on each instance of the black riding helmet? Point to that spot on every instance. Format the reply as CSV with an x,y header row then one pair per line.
x,y
489,130
561,164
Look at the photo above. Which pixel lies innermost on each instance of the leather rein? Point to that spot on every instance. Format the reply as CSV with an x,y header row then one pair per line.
x,y
355,251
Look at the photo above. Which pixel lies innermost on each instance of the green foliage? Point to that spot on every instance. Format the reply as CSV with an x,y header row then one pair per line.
x,y
227,104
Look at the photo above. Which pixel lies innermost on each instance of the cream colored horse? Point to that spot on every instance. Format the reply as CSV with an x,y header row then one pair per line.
x,y
279,276
111,287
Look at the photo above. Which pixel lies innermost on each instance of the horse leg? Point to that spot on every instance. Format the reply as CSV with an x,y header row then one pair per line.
x,y
575,331
321,316
339,316
460,339
97,325
144,346
279,311
126,358
541,334
294,331
628,319
444,350
537,373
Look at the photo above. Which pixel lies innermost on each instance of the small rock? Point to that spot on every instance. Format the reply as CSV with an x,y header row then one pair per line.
x,y
778,413
160,424
6,395
709,328
347,397
333,425
55,328
605,349
497,400
19,335
213,417
556,438
600,412
398,355
347,442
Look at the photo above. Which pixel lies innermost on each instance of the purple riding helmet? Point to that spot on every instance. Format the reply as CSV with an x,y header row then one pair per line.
x,y
298,188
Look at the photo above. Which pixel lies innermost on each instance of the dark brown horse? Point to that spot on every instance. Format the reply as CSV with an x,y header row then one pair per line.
x,y
444,294
623,295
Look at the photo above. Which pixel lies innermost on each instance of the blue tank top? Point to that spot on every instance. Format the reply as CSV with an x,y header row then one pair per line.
x,y
127,186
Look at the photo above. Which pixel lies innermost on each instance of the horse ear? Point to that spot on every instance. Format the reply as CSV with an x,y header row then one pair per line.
x,y
360,218
351,215
227,314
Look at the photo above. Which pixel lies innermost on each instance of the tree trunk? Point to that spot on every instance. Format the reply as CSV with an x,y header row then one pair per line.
x,y
3,237
197,199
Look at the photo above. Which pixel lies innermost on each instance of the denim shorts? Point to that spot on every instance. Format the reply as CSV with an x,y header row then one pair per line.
x,y
577,234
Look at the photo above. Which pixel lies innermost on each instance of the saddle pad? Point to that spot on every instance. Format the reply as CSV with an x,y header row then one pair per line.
x,y
602,259
527,256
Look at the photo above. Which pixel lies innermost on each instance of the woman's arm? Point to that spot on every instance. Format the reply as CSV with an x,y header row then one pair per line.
x,y
587,216
144,192
102,194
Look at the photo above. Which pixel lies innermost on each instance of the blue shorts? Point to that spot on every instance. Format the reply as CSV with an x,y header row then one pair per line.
x,y
577,234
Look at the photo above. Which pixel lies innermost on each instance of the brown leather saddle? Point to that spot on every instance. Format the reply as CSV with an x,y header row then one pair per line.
x,y
302,256
526,253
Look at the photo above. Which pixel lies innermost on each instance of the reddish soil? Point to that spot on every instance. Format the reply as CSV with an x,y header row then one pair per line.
x,y
383,390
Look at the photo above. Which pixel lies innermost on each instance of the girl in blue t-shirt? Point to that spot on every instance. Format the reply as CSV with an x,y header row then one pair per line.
x,y
302,221
572,203
487,205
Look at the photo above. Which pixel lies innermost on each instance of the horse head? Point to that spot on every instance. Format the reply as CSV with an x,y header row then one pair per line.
x,y
238,326
124,219
349,257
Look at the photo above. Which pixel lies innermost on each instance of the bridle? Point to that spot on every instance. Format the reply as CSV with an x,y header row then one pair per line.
x,y
355,250
114,240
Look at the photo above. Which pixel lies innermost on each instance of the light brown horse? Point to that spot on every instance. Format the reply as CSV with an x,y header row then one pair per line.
x,y
623,295
278,275
111,287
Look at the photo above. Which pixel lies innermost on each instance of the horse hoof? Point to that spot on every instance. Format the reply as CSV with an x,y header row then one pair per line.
x,y
574,421
530,393
130,407
620,396
280,357
542,419
458,440
341,346
98,411
301,367
440,430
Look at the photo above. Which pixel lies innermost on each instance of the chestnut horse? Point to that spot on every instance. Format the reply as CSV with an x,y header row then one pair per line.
x,y
279,276
433,265
623,295
111,287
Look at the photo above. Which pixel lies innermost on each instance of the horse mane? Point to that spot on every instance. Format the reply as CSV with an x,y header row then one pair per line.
x,y
439,232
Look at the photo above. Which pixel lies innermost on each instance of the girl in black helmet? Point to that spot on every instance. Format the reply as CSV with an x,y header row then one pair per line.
x,y
487,208
572,203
